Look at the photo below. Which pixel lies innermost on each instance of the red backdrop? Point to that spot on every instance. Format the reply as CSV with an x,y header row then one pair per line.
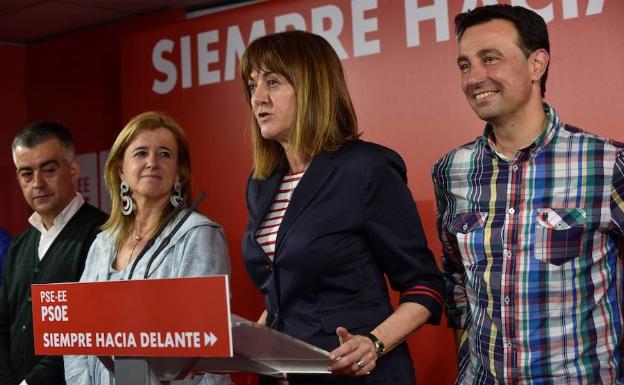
x,y
13,112
406,94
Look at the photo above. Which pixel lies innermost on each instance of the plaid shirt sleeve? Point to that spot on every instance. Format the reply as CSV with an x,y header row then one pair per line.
x,y
617,193
452,267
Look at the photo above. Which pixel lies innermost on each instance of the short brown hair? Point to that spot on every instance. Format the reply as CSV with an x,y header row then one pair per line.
x,y
325,117
121,224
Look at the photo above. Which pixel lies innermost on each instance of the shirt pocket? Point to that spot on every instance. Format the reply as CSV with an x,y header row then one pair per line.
x,y
559,234
469,229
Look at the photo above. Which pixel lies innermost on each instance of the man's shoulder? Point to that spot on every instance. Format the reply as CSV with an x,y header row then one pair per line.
x,y
85,224
458,155
90,214
22,242
25,236
569,130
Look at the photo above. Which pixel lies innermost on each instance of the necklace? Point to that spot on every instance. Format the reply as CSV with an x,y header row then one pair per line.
x,y
137,239
132,252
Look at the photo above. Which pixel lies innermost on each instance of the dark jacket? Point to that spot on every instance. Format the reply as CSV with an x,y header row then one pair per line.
x,y
350,220
63,262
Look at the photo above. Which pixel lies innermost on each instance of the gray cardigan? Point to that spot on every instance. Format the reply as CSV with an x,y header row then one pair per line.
x,y
198,248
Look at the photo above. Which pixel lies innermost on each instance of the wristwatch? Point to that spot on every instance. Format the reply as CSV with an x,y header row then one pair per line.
x,y
380,347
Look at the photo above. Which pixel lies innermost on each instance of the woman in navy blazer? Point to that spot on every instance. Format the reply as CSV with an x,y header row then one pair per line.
x,y
329,216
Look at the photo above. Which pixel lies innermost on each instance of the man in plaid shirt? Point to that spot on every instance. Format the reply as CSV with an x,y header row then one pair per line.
x,y
531,217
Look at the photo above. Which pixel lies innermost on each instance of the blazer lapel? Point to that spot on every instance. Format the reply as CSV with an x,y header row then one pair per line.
x,y
313,180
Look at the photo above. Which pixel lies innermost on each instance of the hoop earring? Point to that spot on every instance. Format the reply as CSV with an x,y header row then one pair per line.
x,y
176,197
127,205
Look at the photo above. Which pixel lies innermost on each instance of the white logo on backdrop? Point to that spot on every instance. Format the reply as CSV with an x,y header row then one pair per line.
x,y
91,181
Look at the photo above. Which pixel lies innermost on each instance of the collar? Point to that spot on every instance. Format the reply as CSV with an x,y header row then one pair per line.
x,y
62,218
551,127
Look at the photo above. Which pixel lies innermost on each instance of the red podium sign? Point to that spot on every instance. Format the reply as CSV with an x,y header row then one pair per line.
x,y
181,317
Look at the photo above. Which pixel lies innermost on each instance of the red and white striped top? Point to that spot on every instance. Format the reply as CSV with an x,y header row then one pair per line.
x,y
267,232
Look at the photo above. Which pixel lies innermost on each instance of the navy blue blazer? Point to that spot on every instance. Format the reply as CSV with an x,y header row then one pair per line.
x,y
350,220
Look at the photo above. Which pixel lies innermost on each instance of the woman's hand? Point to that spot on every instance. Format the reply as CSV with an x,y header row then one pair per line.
x,y
356,355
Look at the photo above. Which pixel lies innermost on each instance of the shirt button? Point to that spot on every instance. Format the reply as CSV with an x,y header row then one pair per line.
x,y
507,300
507,344
269,267
23,328
465,226
507,254
512,211
514,167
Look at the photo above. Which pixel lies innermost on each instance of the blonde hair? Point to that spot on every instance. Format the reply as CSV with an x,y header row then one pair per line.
x,y
120,224
325,117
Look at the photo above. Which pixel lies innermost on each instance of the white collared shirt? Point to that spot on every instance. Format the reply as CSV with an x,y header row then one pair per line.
x,y
49,235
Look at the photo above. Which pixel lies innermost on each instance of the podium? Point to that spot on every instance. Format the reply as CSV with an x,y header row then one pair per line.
x,y
142,341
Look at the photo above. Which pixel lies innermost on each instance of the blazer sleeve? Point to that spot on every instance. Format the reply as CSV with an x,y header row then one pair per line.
x,y
617,194
456,301
396,236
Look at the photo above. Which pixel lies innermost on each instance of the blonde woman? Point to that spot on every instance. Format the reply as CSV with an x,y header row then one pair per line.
x,y
148,173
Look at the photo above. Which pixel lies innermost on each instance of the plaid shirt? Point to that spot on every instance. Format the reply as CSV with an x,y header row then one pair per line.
x,y
531,257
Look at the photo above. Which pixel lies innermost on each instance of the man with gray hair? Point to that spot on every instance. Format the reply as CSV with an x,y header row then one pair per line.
x,y
52,249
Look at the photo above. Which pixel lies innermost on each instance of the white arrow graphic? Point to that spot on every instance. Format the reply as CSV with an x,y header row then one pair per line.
x,y
209,339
